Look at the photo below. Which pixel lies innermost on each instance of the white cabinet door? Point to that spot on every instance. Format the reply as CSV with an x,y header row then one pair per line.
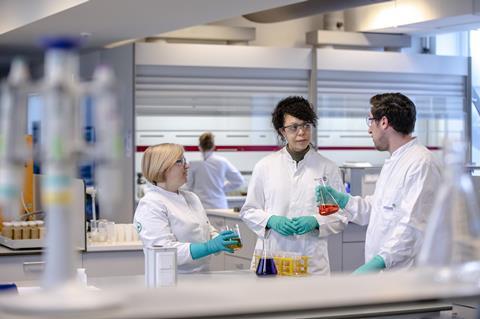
x,y
217,262
249,238
114,263
236,263
335,252
354,233
353,256
217,221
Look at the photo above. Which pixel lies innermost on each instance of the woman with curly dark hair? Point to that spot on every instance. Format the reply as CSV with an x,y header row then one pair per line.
x,y
281,193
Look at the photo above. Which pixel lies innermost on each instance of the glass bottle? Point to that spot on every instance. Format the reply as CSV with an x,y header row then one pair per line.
x,y
266,264
327,205
452,236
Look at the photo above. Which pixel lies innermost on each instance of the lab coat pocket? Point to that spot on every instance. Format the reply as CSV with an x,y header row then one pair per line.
x,y
389,206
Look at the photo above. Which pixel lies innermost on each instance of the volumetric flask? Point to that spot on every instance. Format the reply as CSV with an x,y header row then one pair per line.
x,y
266,264
452,237
327,205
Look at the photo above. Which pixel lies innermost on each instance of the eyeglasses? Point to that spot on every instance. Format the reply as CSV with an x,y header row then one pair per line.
x,y
295,127
181,162
369,120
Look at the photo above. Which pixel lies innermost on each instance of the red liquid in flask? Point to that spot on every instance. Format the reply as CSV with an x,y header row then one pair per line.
x,y
327,209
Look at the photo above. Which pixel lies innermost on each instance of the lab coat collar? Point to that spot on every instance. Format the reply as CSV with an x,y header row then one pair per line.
x,y
287,155
403,149
149,187
206,155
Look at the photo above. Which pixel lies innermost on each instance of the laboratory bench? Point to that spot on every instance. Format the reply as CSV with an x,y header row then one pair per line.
x,y
241,294
345,253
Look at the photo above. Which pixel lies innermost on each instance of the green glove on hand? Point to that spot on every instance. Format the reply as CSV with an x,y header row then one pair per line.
x,y
305,224
374,265
215,245
324,191
282,225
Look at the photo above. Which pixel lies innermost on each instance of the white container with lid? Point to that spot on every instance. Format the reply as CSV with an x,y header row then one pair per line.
x,y
160,266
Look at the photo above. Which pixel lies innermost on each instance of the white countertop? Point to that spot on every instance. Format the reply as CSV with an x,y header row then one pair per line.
x,y
243,293
115,246
228,212
4,251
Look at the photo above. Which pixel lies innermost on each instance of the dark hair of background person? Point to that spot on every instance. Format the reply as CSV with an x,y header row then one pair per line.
x,y
397,108
206,141
296,106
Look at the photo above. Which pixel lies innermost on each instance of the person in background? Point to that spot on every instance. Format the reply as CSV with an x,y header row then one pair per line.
x,y
212,177
280,201
172,217
398,210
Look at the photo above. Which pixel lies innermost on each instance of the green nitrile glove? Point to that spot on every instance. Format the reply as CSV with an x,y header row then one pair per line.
x,y
215,245
305,224
282,225
374,265
323,191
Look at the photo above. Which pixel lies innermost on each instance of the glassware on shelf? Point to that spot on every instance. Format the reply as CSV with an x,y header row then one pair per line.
x,y
327,204
452,237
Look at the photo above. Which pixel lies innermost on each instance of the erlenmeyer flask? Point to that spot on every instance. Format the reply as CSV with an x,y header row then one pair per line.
x,y
327,205
266,264
452,237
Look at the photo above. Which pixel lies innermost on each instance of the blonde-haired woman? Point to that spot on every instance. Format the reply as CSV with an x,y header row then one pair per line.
x,y
172,217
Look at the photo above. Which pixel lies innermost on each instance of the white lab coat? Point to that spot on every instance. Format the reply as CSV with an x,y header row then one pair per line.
x,y
174,220
398,210
211,178
279,187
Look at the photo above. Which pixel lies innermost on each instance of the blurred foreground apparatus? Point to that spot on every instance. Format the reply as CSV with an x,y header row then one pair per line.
x,y
61,148
452,237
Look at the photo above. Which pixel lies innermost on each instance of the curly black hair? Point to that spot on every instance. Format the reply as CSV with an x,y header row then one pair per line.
x,y
296,106
397,108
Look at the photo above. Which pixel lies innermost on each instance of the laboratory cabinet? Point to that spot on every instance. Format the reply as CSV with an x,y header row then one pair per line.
x,y
346,249
114,263
18,266
241,259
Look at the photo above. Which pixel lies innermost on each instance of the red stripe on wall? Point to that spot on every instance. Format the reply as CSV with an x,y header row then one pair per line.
x,y
272,148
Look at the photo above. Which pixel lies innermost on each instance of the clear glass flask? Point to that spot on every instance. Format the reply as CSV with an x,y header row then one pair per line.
x,y
452,237
266,264
327,205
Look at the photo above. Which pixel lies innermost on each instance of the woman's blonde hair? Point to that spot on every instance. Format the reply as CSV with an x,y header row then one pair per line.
x,y
157,159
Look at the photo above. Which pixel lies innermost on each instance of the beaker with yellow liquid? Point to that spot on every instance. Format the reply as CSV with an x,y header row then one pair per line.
x,y
291,264
327,204
238,240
